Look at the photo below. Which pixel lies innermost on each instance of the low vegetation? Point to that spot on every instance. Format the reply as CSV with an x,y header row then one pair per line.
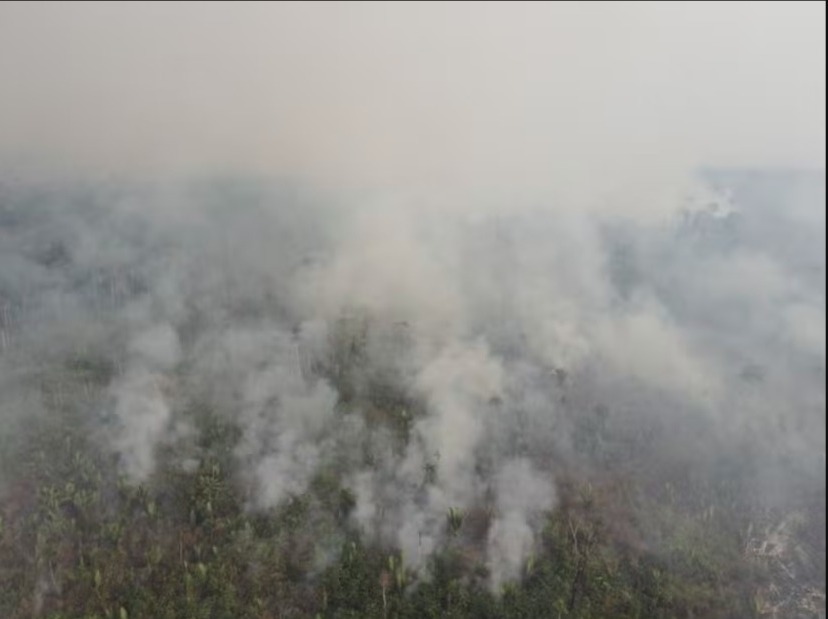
x,y
78,541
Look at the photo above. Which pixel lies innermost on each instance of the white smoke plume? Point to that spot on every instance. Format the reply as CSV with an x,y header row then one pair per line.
x,y
421,245
523,495
141,409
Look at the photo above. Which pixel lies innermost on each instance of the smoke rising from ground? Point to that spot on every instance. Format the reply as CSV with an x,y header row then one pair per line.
x,y
441,363
482,269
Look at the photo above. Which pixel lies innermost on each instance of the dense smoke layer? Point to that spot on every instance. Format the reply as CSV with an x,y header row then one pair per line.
x,y
488,261
446,365
522,98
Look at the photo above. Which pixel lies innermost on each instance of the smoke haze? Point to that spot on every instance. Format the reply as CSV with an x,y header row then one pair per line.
x,y
456,95
453,252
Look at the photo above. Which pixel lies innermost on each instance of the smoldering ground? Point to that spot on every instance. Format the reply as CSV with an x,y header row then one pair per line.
x,y
440,363
489,264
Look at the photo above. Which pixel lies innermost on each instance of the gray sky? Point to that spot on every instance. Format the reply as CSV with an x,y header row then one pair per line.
x,y
394,94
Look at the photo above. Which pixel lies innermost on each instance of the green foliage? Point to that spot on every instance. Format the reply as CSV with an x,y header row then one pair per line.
x,y
77,541
454,518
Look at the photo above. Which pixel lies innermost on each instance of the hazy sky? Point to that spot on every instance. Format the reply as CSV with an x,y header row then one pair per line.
x,y
397,93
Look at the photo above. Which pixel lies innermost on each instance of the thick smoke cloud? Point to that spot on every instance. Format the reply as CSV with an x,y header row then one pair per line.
x,y
441,363
489,261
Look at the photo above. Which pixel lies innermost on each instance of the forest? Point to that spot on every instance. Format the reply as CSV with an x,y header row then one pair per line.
x,y
255,412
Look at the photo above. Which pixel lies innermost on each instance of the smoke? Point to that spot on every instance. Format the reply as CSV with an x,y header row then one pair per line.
x,y
522,496
488,236
519,99
141,409
284,420
445,364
